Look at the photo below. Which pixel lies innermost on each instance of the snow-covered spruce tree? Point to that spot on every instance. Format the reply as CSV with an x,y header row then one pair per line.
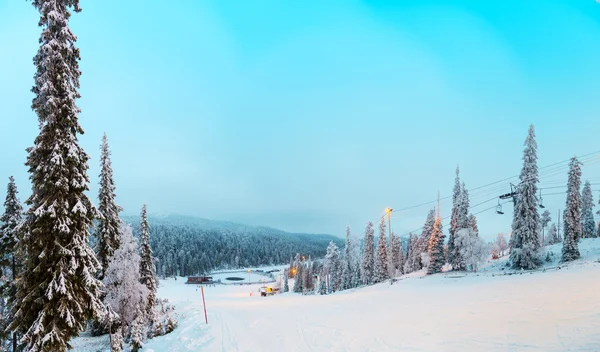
x,y
525,243
381,260
472,224
368,258
9,238
346,262
298,282
332,265
456,198
462,222
436,248
544,221
53,304
395,256
422,244
572,213
587,199
147,276
472,248
552,236
139,331
413,257
322,283
598,212
286,284
109,222
116,341
125,294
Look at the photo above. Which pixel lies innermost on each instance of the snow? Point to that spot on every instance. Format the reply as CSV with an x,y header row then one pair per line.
x,y
551,310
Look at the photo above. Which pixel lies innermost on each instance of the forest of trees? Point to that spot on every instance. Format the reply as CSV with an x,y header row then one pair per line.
x,y
187,248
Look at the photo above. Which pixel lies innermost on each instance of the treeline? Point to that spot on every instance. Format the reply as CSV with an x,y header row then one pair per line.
x,y
188,249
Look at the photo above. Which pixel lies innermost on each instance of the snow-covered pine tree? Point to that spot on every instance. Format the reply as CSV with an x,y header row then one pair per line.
x,y
381,260
368,258
456,198
116,341
587,199
436,248
286,284
332,265
544,221
462,222
109,222
525,243
390,256
552,236
322,282
355,261
472,224
9,238
346,262
395,255
138,333
298,282
413,256
572,213
423,241
125,294
53,304
147,275
598,212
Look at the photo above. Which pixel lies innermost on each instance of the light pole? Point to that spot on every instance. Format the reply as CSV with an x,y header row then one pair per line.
x,y
389,214
248,276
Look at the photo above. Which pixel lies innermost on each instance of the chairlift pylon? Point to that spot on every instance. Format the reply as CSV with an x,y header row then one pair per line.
x,y
499,208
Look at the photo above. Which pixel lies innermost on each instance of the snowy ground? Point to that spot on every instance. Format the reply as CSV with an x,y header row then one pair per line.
x,y
552,310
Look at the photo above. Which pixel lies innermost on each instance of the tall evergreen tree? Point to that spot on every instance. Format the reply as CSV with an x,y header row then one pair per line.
x,y
396,255
544,221
423,241
462,222
109,222
456,199
286,285
9,238
298,282
413,255
322,283
436,248
525,243
53,304
147,276
589,224
552,237
368,258
381,260
346,262
332,265
598,212
572,213
472,224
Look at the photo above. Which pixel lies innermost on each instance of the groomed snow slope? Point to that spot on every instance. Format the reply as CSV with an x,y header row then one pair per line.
x,y
555,310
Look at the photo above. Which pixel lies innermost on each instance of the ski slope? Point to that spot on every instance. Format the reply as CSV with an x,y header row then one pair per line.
x,y
552,310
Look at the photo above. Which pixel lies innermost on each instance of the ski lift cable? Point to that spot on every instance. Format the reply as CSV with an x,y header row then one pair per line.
x,y
550,172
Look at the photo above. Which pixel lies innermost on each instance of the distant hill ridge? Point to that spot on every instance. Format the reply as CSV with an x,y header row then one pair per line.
x,y
207,224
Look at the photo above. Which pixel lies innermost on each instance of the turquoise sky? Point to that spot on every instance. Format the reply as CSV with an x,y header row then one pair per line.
x,y
313,115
